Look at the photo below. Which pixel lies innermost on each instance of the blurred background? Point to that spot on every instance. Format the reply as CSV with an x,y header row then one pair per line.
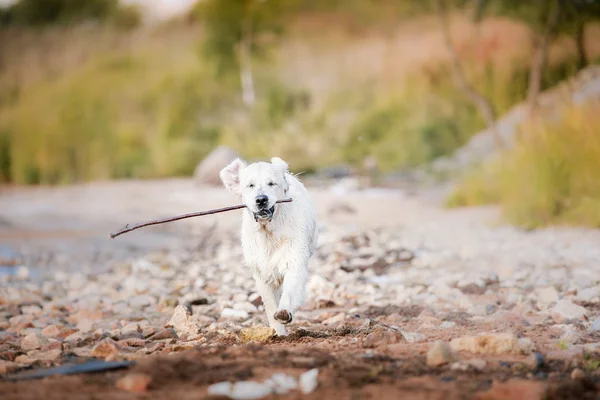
x,y
499,97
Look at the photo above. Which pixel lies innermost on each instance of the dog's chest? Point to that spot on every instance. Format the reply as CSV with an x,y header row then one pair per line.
x,y
266,255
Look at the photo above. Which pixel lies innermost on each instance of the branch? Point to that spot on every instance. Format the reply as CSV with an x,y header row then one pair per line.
x,y
484,106
178,217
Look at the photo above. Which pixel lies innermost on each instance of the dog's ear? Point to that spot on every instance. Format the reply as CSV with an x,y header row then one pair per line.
x,y
282,166
230,175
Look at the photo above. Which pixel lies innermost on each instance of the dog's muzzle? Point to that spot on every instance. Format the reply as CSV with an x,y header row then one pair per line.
x,y
265,214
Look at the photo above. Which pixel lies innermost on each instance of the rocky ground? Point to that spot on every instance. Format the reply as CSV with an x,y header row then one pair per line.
x,y
406,299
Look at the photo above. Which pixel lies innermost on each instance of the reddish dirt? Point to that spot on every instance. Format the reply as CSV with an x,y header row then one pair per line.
x,y
348,369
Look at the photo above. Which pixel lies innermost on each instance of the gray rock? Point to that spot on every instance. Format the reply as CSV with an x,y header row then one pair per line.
x,y
207,171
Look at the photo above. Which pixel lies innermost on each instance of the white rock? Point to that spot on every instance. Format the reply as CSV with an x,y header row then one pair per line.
x,y
413,337
183,321
309,381
248,390
526,345
335,319
282,383
595,325
547,295
589,294
221,389
565,309
447,324
141,301
245,306
230,313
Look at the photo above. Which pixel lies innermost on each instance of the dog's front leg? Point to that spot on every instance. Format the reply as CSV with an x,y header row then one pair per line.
x,y
270,298
293,290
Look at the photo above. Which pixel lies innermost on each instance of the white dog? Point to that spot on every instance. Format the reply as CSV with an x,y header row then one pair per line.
x,y
278,240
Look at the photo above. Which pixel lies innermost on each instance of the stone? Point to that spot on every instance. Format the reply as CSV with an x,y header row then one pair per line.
x,y
8,367
413,337
336,319
447,324
475,364
183,321
106,349
282,383
577,374
491,344
237,315
50,331
221,389
85,325
595,325
134,382
141,301
207,171
168,333
439,354
259,334
482,310
547,295
245,306
33,341
565,310
382,337
526,346
590,294
249,390
309,381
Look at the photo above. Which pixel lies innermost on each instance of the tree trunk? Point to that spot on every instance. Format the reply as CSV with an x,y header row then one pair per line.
x,y
541,55
582,59
483,104
246,77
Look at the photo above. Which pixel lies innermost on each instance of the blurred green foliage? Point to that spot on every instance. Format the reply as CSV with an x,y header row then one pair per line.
x,y
550,177
138,112
52,12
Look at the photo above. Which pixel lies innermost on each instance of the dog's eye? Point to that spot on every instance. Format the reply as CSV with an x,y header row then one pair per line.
x,y
251,185
272,184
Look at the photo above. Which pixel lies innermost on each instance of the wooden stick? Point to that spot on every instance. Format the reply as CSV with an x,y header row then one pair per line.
x,y
178,217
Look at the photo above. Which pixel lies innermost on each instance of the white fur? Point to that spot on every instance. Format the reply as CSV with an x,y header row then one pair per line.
x,y
277,251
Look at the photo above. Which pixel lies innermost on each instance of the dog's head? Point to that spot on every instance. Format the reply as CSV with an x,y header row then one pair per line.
x,y
260,185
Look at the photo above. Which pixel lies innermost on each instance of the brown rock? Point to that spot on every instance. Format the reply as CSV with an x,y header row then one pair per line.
x,y
257,334
382,337
51,331
577,374
439,354
183,321
8,366
133,342
64,333
106,349
134,382
168,333
207,172
496,343
33,341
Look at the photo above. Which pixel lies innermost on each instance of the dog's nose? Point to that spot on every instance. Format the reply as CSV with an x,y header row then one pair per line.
x,y
261,201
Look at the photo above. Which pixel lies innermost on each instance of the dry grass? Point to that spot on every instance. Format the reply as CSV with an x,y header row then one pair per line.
x,y
550,177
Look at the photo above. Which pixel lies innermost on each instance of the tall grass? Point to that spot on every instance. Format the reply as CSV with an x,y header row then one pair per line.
x,y
550,177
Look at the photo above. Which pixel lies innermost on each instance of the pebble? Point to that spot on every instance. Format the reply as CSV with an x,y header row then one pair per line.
x,y
134,382
577,374
238,315
309,381
33,341
106,349
565,310
439,354
258,334
491,344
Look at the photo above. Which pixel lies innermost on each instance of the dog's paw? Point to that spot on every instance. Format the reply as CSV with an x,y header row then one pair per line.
x,y
283,316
